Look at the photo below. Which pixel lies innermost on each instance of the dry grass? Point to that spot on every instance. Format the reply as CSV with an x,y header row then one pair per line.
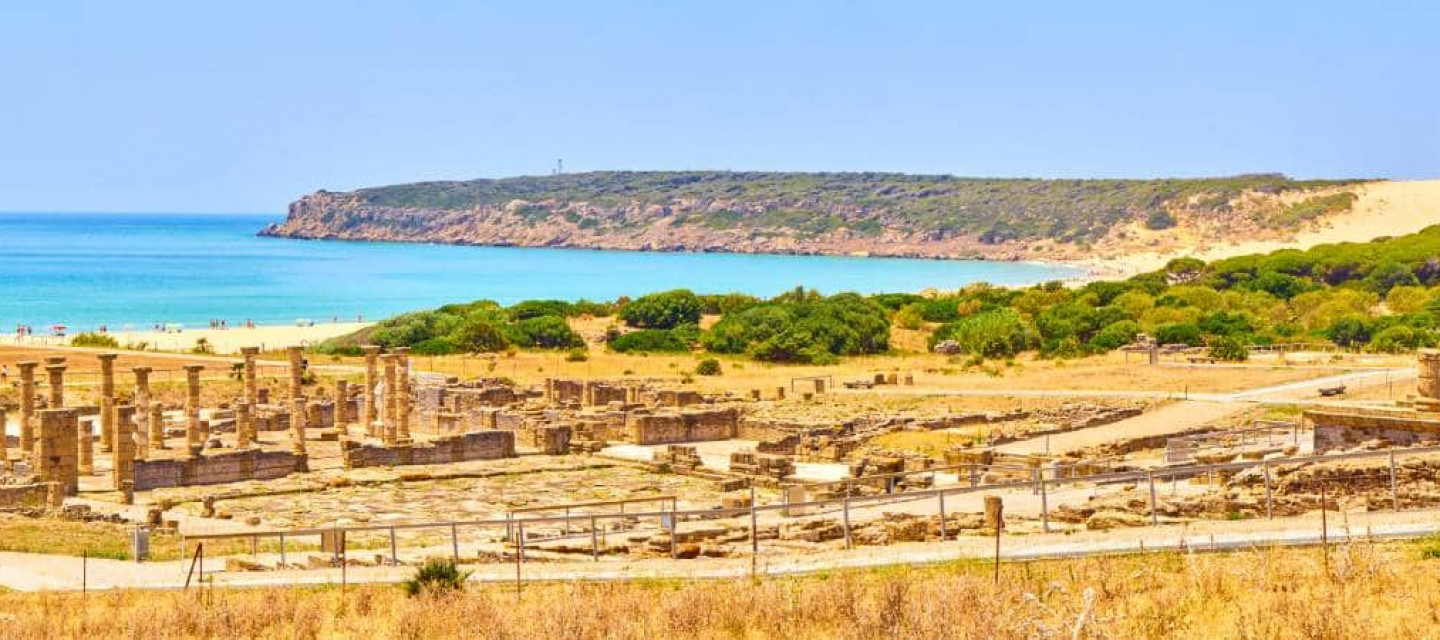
x,y
73,538
1368,591
931,372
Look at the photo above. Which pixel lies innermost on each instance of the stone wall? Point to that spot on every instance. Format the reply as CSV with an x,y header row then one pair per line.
x,y
547,439
219,468
677,397
23,495
684,426
1349,428
478,402
479,445
588,393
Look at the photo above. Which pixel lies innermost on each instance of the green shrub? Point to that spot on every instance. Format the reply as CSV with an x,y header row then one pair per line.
x,y
538,308
545,332
1114,336
1228,349
910,316
801,327
1180,333
992,334
665,310
1349,331
1402,338
708,367
480,334
655,340
434,347
577,355
436,577
98,340
1160,219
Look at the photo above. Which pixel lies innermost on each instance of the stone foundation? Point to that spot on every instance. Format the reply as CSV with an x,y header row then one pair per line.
x,y
23,495
548,440
480,445
685,426
219,468
1349,428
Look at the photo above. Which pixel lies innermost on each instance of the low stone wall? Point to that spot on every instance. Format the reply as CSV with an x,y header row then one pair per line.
x,y
686,426
678,397
479,445
1349,428
218,468
547,439
587,393
23,495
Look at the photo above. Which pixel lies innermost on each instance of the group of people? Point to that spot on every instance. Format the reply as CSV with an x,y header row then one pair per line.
x,y
221,323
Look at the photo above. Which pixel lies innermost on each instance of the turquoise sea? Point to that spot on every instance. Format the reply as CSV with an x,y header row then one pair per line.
x,y
84,270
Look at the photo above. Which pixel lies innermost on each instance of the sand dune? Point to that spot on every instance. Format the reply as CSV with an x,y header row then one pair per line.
x,y
1383,209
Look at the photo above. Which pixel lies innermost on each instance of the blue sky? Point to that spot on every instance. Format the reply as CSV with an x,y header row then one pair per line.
x,y
241,107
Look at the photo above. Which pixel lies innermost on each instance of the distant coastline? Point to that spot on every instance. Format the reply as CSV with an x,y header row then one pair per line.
x,y
1105,228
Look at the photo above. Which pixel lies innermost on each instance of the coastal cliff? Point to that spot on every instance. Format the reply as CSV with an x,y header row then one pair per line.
x,y
821,213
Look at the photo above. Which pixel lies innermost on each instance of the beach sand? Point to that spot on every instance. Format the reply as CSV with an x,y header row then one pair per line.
x,y
222,341
1382,209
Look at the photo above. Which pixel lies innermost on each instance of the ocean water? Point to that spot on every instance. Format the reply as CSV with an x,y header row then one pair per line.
x,y
136,270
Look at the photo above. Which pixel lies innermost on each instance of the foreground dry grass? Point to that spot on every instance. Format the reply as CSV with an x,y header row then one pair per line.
x,y
1368,591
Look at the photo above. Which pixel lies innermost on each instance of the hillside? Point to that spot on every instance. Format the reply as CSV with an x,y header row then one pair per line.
x,y
821,213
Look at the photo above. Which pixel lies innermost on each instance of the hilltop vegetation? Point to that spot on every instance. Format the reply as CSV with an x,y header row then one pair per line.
x,y
996,208
878,213
1382,295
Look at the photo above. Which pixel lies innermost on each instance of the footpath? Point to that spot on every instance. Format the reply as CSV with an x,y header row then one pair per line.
x,y
34,572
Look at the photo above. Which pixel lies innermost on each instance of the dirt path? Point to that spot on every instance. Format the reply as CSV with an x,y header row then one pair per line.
x,y
1173,418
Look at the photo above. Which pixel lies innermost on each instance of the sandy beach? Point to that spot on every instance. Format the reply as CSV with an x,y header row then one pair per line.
x,y
222,341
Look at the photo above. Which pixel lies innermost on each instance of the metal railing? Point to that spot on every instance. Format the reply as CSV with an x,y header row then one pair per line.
x,y
1183,449
1042,482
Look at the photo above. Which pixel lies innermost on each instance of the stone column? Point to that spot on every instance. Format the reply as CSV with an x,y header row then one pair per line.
x,y
299,412
342,407
56,451
156,430
248,372
402,395
85,439
107,400
123,469
392,383
194,440
372,379
244,424
56,372
4,444
1427,381
27,406
142,408
296,356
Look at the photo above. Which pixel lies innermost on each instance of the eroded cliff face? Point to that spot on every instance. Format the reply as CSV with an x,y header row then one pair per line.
x,y
637,227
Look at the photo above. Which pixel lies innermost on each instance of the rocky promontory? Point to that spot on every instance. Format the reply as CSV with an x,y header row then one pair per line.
x,y
807,213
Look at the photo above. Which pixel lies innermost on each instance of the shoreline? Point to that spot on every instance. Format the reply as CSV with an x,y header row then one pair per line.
x,y
222,341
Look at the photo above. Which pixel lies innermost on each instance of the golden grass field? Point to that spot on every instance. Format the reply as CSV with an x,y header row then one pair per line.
x,y
1363,590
